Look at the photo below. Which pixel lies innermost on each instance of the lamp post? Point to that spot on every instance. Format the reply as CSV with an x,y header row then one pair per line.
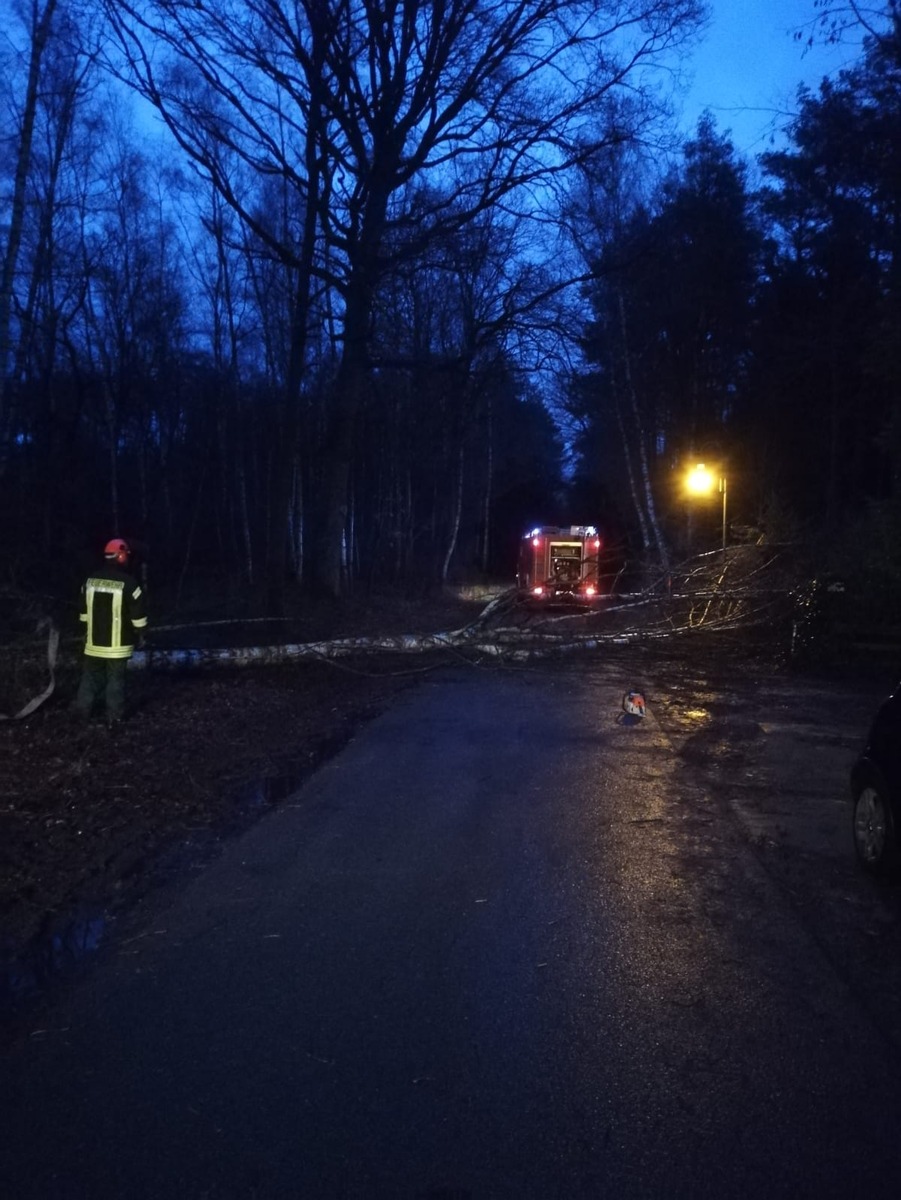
x,y
700,481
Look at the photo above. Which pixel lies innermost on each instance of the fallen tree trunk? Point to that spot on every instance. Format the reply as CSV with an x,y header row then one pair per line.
x,y
514,644
700,601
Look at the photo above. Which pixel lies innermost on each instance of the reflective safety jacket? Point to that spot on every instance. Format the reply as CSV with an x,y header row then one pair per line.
x,y
112,607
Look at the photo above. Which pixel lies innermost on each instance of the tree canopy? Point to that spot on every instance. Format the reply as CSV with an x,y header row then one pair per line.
x,y
372,287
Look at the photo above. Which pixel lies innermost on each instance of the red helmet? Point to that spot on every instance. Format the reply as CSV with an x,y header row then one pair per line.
x,y
118,550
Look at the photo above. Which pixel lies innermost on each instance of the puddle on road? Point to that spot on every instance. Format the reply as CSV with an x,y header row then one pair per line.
x,y
54,954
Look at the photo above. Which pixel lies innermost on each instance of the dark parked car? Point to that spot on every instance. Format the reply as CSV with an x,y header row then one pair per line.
x,y
876,791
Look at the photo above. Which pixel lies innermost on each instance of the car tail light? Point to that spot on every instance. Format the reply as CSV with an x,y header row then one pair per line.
x,y
590,590
538,591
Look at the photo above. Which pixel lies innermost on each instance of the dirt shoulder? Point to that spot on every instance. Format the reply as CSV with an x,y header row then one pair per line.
x,y
85,808
87,815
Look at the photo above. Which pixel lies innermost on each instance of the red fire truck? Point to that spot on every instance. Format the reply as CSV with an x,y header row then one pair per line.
x,y
560,566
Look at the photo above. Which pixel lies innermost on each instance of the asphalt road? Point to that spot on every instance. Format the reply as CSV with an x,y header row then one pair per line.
x,y
506,945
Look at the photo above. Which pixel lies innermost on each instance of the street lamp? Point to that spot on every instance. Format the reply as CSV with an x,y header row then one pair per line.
x,y
700,482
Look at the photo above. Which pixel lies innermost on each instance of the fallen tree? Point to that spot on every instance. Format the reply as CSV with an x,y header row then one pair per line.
x,y
736,592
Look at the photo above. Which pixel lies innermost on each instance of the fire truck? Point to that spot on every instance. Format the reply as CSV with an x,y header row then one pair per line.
x,y
560,566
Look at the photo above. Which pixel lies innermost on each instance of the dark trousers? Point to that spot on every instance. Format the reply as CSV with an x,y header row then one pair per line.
x,y
101,679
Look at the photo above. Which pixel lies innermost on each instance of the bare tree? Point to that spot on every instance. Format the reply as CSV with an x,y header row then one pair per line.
x,y
835,20
40,25
597,216
134,329
351,100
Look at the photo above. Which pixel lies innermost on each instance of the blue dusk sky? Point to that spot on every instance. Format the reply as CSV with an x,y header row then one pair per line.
x,y
748,67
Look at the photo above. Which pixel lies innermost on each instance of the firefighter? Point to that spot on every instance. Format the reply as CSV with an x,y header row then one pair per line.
x,y
112,607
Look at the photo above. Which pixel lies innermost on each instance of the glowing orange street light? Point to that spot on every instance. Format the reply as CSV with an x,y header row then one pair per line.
x,y
700,482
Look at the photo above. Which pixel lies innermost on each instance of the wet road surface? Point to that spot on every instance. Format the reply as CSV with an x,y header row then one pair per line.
x,y
506,945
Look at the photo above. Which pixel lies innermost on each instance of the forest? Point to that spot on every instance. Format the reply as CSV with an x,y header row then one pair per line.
x,y
335,296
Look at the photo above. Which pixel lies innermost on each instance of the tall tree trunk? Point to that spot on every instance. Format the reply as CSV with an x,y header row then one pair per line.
x,y
244,517
630,472
289,434
43,275
285,455
112,435
641,438
40,34
297,522
489,483
338,449
457,513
